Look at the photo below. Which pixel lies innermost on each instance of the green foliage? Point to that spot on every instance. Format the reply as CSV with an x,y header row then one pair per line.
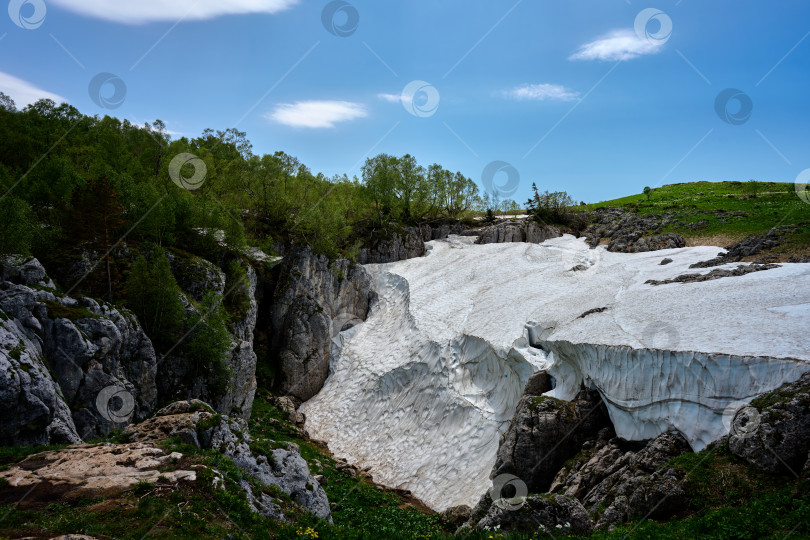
x,y
550,207
154,296
17,225
209,342
728,208
60,311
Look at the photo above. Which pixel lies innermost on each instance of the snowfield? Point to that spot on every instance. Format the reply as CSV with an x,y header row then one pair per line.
x,y
421,391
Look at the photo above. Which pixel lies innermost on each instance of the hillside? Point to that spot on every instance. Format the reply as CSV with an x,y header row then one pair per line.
x,y
724,213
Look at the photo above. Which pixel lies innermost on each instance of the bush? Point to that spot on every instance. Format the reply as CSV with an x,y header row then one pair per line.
x,y
209,343
153,295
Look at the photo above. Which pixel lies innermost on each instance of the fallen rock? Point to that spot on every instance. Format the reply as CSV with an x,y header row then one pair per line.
x,y
456,516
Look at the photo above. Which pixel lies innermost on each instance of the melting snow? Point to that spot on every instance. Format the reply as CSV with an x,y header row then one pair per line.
x,y
421,391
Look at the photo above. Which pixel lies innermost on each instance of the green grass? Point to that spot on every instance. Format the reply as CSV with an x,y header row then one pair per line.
x,y
774,204
58,311
728,500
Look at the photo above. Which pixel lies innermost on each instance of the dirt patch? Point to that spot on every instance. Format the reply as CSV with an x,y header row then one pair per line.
x,y
718,240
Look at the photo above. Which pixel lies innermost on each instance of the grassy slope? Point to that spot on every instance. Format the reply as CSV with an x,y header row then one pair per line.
x,y
728,501
775,204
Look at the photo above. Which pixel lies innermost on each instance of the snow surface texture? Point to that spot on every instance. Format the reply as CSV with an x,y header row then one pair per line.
x,y
421,391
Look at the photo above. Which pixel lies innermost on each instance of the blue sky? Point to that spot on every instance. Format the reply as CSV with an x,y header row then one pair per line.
x,y
579,95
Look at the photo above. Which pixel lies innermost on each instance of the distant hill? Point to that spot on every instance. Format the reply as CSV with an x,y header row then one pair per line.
x,y
722,213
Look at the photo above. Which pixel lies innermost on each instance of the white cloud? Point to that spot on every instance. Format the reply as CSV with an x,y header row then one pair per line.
x,y
316,114
145,11
617,45
23,92
541,92
393,98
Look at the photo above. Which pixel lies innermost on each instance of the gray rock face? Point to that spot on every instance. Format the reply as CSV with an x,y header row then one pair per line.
x,y
635,242
518,231
407,243
617,481
548,513
544,433
197,276
394,246
24,273
32,410
773,434
631,233
68,354
314,300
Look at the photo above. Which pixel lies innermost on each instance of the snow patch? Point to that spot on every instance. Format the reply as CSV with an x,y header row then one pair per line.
x,y
421,391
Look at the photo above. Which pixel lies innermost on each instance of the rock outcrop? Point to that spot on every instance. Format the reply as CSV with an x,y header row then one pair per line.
x,y
314,301
405,242
554,514
90,469
717,273
773,432
517,231
234,397
282,466
544,433
631,233
70,369
618,480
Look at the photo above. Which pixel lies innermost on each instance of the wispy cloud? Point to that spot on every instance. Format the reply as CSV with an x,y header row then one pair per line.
x,y
541,92
145,11
392,98
23,92
617,45
316,114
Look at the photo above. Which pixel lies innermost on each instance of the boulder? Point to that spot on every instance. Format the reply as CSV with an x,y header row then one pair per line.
x,y
553,514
